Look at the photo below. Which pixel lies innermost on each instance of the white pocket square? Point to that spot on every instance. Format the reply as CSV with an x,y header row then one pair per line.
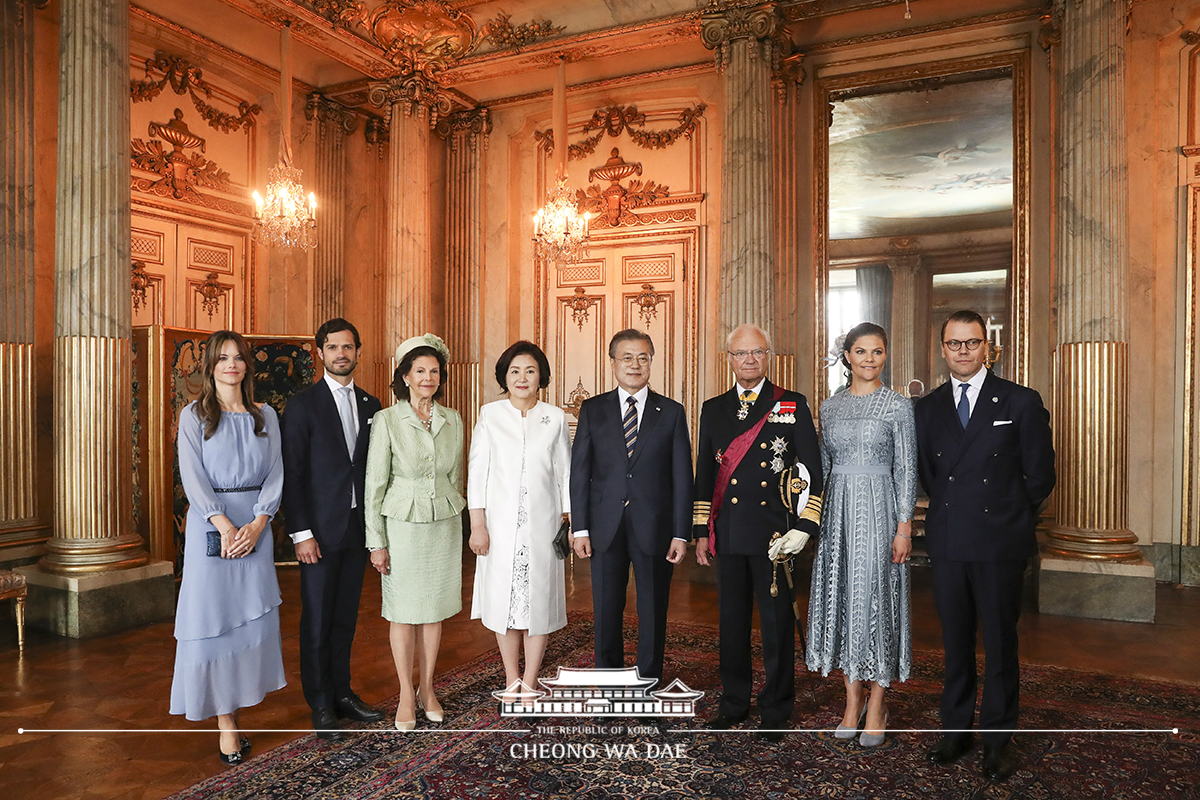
x,y
1002,422
369,421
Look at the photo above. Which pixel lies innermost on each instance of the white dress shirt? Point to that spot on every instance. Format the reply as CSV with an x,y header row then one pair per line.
x,y
975,384
334,388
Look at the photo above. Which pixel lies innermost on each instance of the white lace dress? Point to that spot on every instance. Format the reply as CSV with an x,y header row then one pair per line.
x,y
858,612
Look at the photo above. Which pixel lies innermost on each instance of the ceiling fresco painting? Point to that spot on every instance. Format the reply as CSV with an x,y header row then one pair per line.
x,y
924,161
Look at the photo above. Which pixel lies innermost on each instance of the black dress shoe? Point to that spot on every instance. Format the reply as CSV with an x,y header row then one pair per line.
x,y
351,707
723,723
770,733
326,725
999,762
232,759
950,748
245,746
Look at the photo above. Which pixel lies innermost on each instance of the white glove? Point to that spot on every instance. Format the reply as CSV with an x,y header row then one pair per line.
x,y
789,544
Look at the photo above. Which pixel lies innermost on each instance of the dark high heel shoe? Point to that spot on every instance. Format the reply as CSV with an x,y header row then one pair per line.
x,y
245,746
232,759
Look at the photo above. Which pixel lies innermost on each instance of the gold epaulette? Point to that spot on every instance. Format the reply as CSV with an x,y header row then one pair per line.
x,y
812,511
701,511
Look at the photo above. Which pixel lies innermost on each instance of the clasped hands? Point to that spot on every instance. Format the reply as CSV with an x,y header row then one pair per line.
x,y
240,542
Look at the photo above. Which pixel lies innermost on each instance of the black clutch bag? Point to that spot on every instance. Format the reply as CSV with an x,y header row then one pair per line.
x,y
562,540
212,545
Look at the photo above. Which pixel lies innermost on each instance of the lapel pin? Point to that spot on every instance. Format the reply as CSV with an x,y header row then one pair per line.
x,y
995,399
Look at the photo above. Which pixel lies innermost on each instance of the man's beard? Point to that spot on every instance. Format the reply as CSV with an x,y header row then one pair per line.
x,y
341,371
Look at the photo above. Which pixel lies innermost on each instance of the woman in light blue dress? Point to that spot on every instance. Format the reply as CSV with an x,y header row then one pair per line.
x,y
858,613
229,653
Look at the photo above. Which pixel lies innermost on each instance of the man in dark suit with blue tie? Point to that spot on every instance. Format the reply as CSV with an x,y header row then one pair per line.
x,y
325,430
986,458
631,500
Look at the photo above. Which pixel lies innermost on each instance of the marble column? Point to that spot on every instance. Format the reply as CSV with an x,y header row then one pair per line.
x,y
466,134
747,42
93,425
18,413
1091,565
908,296
414,104
333,123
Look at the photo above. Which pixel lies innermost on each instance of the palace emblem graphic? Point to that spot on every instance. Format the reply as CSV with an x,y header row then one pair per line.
x,y
621,692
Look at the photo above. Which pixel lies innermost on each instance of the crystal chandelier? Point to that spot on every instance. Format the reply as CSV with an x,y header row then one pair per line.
x,y
560,232
283,219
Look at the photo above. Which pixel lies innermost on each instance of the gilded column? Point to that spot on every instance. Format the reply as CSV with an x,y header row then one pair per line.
x,y
1090,564
466,133
1092,281
93,492
414,103
748,42
18,413
333,122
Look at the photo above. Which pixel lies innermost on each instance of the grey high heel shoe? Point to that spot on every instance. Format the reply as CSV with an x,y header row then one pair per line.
x,y
432,716
875,739
848,732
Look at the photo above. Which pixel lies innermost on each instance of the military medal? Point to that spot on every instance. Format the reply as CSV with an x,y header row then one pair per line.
x,y
784,411
777,465
744,411
778,445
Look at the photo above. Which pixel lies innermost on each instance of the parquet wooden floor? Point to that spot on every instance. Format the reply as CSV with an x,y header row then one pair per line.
x,y
123,681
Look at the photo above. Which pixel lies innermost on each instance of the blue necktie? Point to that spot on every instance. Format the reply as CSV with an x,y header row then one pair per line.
x,y
630,425
964,406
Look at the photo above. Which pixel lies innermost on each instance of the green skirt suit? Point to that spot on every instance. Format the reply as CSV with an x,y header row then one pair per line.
x,y
414,499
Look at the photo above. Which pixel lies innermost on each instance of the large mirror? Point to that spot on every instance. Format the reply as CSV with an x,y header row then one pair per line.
x,y
922,212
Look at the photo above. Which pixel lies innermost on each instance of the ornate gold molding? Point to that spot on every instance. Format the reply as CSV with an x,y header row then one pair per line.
x,y
179,173
575,399
139,281
211,292
340,13
579,303
616,202
614,120
503,35
647,302
187,79
724,22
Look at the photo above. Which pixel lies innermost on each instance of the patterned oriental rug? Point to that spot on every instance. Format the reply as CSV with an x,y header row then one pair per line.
x,y
610,758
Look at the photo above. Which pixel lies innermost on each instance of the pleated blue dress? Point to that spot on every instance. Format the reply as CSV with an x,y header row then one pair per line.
x,y
229,653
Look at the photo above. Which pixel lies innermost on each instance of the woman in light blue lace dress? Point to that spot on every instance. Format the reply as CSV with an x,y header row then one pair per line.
x,y
229,653
858,614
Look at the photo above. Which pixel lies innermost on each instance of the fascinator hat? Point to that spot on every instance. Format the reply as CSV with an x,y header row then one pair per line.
x,y
424,340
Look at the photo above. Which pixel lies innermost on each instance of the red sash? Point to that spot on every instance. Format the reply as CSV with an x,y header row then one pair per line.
x,y
729,462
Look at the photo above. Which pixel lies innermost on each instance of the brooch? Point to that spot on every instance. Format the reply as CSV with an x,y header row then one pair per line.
x,y
546,420
778,445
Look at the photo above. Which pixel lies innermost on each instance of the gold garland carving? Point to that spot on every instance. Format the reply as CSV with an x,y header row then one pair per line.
x,y
504,35
185,78
615,120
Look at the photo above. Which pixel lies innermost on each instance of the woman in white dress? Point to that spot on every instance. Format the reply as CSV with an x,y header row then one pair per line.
x,y
518,493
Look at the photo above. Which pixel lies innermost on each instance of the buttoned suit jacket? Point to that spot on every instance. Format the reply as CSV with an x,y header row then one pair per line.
x,y
319,473
752,509
987,482
655,484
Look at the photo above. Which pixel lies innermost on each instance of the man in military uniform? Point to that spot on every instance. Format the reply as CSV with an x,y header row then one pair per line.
x,y
749,436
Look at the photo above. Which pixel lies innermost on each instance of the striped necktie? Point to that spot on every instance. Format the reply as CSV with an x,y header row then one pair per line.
x,y
630,425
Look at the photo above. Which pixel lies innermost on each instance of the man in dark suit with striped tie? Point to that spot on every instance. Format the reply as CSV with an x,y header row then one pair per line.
x,y
631,501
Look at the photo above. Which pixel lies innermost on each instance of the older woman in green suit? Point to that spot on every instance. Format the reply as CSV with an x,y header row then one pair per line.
x,y
414,498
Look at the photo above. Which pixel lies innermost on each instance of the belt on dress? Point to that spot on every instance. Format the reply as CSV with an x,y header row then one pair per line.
x,y
239,489
860,469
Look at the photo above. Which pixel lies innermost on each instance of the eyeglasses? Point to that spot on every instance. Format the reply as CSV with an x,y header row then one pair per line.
x,y
739,355
954,345
641,360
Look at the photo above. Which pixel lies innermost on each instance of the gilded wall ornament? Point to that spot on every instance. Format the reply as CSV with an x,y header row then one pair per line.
x,y
180,173
579,303
139,281
211,292
501,33
473,125
615,203
342,13
615,120
647,301
576,397
425,36
187,79
724,22
415,92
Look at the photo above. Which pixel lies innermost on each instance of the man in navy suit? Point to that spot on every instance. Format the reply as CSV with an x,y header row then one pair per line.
x,y
325,432
631,496
750,437
986,458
